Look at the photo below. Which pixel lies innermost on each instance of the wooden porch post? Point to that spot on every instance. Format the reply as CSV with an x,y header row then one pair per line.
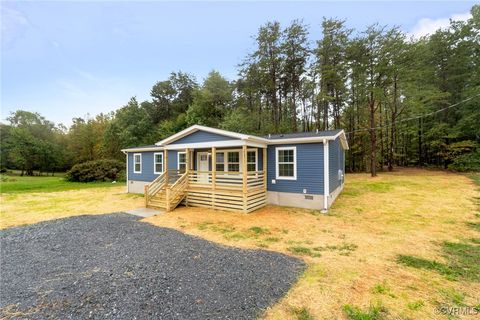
x,y
166,166
167,199
265,168
167,187
146,195
187,171
214,174
244,176
187,160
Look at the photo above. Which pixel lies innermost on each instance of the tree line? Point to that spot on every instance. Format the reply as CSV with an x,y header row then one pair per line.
x,y
402,101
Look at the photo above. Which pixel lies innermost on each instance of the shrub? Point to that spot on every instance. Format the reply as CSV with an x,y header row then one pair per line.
x,y
98,170
466,162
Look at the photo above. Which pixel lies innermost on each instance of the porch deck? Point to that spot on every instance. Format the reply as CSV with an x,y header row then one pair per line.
x,y
244,190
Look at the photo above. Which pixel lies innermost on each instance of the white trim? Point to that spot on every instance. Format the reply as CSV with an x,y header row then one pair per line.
x,y
256,158
142,149
178,159
155,163
217,144
197,127
326,176
341,134
225,158
278,177
135,162
198,158
126,154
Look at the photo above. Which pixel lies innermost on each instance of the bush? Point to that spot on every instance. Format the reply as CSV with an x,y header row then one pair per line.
x,y
466,162
98,170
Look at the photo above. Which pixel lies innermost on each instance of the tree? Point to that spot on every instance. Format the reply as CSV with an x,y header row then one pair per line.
x,y
171,97
331,64
211,102
295,54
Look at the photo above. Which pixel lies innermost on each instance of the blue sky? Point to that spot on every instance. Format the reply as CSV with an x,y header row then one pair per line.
x,y
69,59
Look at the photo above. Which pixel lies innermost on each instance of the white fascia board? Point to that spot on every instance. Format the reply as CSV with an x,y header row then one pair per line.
x,y
143,149
300,140
197,127
343,139
216,144
341,134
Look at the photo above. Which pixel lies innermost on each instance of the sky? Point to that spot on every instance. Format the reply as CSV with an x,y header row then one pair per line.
x,y
74,58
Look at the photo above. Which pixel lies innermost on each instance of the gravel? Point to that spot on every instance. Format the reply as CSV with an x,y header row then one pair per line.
x,y
116,267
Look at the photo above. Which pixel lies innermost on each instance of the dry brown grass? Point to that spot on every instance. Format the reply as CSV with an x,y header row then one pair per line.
x,y
407,212
26,208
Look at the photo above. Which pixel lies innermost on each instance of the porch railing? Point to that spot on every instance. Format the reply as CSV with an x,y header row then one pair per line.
x,y
226,180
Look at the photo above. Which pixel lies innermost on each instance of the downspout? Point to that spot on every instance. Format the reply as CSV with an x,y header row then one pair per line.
x,y
326,177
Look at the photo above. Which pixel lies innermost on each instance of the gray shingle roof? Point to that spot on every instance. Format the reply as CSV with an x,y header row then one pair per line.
x,y
144,147
309,134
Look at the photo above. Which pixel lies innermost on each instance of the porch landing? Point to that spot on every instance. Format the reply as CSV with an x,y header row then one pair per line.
x,y
145,212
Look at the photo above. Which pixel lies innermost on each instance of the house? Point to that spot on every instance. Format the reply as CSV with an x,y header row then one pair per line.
x,y
207,167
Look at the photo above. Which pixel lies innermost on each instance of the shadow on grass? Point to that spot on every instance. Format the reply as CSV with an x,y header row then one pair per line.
x,y
463,261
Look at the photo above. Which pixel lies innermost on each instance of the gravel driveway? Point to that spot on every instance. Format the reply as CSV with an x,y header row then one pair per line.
x,y
116,267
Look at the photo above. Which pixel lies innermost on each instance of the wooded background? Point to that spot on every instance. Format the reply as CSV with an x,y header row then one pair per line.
x,y
401,101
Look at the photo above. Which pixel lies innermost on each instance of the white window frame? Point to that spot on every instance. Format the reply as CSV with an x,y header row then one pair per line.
x,y
225,161
277,164
225,158
135,162
155,163
240,163
256,158
178,160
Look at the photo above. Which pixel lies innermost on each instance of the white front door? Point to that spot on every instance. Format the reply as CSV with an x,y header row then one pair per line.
x,y
202,167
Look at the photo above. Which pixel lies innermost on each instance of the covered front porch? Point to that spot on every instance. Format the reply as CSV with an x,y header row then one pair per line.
x,y
225,177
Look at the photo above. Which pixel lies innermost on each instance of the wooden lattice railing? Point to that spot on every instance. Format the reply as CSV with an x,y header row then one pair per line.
x,y
176,192
222,190
155,186
226,180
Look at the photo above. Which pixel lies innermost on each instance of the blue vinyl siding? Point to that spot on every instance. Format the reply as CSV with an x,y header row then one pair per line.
x,y
172,159
333,164
201,136
147,165
336,162
309,170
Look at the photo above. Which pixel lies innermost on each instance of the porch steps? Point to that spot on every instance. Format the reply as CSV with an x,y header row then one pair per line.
x,y
167,196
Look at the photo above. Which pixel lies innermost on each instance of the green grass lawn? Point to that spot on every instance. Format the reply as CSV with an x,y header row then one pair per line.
x,y
13,183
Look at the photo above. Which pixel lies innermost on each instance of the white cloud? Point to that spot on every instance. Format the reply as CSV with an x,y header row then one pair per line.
x,y
13,25
426,26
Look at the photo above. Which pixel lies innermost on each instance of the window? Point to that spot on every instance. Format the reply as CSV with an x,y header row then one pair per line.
x,y
252,160
137,163
286,159
158,163
220,166
234,161
182,162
